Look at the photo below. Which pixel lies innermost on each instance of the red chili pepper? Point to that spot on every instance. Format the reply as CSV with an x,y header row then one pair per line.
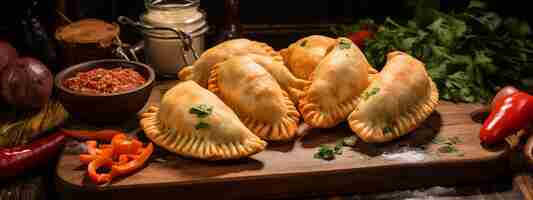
x,y
359,37
104,135
508,116
14,161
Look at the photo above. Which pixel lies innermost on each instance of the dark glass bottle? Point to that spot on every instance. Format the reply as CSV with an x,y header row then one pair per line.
x,y
232,26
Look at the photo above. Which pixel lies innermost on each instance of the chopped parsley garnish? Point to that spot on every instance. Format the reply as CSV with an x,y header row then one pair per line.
x,y
454,140
338,148
438,140
447,149
368,93
303,43
201,110
446,141
326,152
447,145
387,129
201,125
350,141
344,44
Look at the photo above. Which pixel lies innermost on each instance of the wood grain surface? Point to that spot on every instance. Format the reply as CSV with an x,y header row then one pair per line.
x,y
289,170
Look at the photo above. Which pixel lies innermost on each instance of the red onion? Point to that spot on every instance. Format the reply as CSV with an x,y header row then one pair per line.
x,y
27,83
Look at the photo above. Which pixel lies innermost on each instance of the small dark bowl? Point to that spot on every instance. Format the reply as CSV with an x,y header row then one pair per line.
x,y
105,108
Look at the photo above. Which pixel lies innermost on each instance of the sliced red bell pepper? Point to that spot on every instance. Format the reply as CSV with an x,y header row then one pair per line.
x,y
96,177
122,144
135,164
87,158
123,156
508,116
91,146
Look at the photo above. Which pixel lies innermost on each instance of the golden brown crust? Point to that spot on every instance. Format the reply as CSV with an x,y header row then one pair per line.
x,y
227,137
335,86
257,92
199,71
401,107
302,56
283,76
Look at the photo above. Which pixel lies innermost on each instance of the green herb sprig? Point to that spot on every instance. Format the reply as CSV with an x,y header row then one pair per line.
x,y
326,152
201,111
387,130
303,43
369,92
448,145
344,44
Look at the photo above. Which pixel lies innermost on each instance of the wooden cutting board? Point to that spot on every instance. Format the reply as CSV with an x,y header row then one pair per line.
x,y
290,170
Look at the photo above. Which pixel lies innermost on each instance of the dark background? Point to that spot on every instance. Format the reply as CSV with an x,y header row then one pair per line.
x,y
278,22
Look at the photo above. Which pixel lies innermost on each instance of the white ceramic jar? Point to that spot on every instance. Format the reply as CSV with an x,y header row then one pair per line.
x,y
163,50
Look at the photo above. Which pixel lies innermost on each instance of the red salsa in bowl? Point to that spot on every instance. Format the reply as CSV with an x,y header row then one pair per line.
x,y
105,81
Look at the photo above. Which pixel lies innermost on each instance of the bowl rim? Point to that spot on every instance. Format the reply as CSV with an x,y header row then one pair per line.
x,y
58,82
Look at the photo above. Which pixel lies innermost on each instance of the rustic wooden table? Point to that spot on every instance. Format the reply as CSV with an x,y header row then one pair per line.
x,y
40,185
37,188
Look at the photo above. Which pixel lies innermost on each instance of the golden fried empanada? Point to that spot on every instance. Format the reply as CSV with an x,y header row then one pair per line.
x,y
335,86
283,76
303,56
247,88
199,71
401,97
193,122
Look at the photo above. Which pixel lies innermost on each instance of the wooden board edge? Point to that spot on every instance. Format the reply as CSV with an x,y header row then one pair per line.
x,y
338,181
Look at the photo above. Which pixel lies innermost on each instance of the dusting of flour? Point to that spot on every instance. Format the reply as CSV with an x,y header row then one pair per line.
x,y
406,154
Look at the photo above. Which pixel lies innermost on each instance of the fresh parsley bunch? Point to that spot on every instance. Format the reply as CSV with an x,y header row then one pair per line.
x,y
469,55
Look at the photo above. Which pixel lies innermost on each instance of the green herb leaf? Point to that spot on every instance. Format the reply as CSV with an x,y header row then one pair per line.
x,y
454,140
438,140
325,152
201,125
303,43
201,110
387,129
338,148
344,44
447,149
350,141
368,93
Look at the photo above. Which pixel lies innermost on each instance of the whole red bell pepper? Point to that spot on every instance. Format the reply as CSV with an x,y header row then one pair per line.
x,y
360,37
508,116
